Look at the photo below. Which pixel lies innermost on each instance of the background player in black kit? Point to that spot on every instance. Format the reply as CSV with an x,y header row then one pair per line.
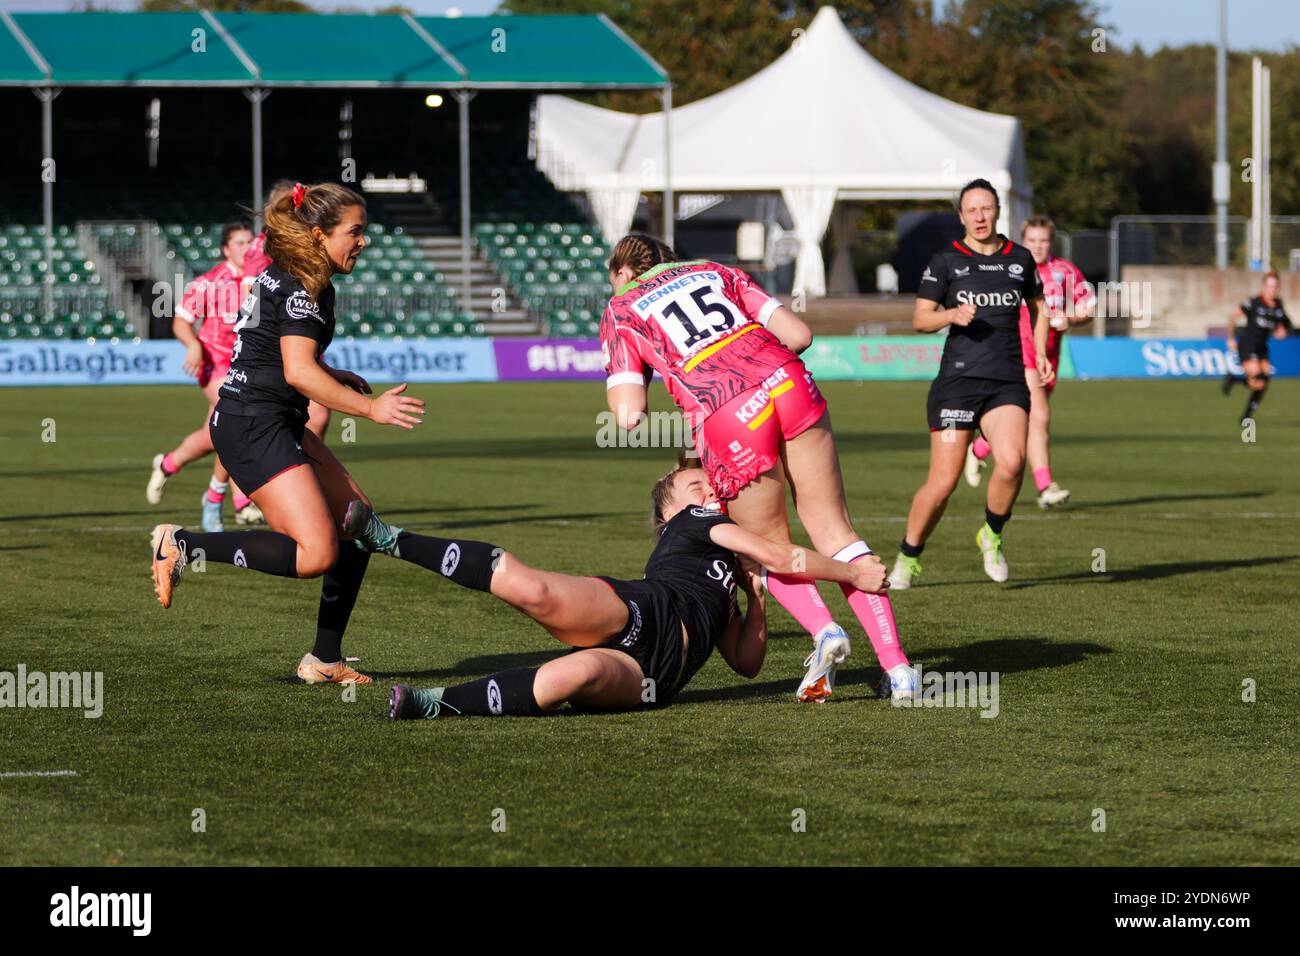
x,y
1265,318
974,288
638,642
259,424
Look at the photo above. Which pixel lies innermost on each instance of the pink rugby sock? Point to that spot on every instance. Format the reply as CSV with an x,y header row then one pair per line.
x,y
801,599
241,501
874,612
980,447
217,491
1042,477
169,467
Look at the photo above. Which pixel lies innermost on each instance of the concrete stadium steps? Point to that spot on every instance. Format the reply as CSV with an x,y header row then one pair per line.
x,y
491,299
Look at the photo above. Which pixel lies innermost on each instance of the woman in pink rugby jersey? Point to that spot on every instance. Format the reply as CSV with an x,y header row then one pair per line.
x,y
205,324
727,353
256,260
1063,286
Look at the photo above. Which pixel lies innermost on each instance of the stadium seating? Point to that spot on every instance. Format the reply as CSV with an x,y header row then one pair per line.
x,y
557,269
81,303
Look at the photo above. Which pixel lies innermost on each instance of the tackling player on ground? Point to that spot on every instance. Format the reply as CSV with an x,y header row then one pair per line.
x,y
205,324
726,351
974,288
1069,300
1265,317
638,643
259,424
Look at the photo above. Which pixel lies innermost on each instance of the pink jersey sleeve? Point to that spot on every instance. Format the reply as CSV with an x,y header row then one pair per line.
x,y
749,295
624,364
1084,296
193,305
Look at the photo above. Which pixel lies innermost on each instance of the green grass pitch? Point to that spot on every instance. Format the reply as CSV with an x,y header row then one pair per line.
x,y
1120,690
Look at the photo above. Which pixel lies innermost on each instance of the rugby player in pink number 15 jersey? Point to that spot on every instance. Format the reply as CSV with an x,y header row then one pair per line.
x,y
726,351
1070,299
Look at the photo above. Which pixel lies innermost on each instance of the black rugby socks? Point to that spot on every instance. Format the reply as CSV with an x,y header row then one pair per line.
x,y
338,595
468,563
910,550
267,551
508,694
996,522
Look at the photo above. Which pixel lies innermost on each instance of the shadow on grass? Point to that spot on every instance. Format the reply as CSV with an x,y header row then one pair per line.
x,y
1154,572
1165,499
80,514
1005,655
21,547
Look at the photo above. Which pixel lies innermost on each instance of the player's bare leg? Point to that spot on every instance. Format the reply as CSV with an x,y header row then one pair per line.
x,y
1037,448
318,419
1257,375
1006,428
813,468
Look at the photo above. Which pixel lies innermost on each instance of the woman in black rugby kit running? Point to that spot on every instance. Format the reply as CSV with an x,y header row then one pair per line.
x,y
636,643
1265,318
259,424
974,288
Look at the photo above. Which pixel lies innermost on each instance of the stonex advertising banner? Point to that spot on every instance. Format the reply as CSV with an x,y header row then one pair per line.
x,y
159,362
1172,358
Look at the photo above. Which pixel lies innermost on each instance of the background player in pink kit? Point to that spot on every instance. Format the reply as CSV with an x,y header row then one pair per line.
x,y
1063,285
205,324
726,352
318,416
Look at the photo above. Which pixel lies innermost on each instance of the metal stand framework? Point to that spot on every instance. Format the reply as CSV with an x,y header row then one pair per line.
x,y
255,96
462,102
669,199
47,95
1221,186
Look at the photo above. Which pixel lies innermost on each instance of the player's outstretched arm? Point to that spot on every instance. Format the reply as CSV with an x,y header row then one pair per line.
x,y
744,644
304,372
867,574
628,403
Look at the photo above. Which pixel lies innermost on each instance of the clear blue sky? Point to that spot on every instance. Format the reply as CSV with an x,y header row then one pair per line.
x,y
1252,24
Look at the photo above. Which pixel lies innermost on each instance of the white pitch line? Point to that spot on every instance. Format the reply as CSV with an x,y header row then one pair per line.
x,y
41,773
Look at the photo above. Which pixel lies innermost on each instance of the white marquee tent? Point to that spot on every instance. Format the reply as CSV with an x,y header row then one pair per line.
x,y
823,122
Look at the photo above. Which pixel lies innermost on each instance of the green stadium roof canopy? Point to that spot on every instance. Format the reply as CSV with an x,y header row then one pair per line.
x,y
320,50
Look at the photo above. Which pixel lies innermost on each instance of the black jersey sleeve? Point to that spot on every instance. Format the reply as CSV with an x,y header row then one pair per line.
x,y
934,280
299,314
1285,320
698,522
1033,281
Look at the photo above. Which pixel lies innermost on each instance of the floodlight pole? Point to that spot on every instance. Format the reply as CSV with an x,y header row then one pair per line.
x,y
668,164
1221,187
462,101
46,95
255,96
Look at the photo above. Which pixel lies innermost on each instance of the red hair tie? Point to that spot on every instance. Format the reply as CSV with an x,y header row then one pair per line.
x,y
299,191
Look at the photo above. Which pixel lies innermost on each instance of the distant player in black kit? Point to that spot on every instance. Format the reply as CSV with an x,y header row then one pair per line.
x,y
1265,318
974,288
259,424
638,642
